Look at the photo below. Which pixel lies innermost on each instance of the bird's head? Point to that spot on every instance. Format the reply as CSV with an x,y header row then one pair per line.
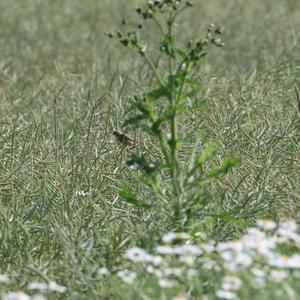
x,y
116,132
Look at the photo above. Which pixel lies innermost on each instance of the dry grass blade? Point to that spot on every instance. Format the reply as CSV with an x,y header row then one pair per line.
x,y
297,98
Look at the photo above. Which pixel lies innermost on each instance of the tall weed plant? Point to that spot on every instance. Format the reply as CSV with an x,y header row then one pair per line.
x,y
178,185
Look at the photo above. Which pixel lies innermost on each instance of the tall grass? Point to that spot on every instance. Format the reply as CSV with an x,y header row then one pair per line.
x,y
64,87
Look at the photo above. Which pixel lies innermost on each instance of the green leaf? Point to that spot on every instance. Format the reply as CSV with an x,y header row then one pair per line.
x,y
193,82
133,41
158,93
209,152
129,196
142,111
168,45
177,78
195,91
146,109
134,120
228,164
184,55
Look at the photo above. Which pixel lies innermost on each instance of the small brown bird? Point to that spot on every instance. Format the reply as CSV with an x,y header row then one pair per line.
x,y
123,138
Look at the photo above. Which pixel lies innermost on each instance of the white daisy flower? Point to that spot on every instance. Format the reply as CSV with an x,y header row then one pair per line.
x,y
278,275
266,224
231,283
126,276
36,285
16,296
137,254
171,236
4,278
228,295
53,286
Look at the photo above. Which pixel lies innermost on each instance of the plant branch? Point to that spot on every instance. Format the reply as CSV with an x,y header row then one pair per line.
x,y
151,65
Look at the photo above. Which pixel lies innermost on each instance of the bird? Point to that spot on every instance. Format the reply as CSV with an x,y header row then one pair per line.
x,y
123,138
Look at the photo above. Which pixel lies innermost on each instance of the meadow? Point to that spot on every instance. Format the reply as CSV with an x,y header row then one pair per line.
x,y
84,217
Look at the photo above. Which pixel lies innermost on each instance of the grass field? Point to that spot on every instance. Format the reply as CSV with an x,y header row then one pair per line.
x,y
64,87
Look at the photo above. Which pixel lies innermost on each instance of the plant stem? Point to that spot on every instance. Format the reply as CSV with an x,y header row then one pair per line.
x,y
187,67
164,147
158,25
154,70
173,121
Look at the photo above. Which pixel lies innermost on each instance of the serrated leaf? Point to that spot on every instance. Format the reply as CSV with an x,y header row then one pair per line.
x,y
207,154
228,164
158,93
184,55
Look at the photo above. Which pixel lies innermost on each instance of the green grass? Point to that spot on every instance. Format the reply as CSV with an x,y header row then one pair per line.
x,y
64,86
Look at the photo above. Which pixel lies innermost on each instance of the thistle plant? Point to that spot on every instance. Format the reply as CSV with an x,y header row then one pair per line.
x,y
157,111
